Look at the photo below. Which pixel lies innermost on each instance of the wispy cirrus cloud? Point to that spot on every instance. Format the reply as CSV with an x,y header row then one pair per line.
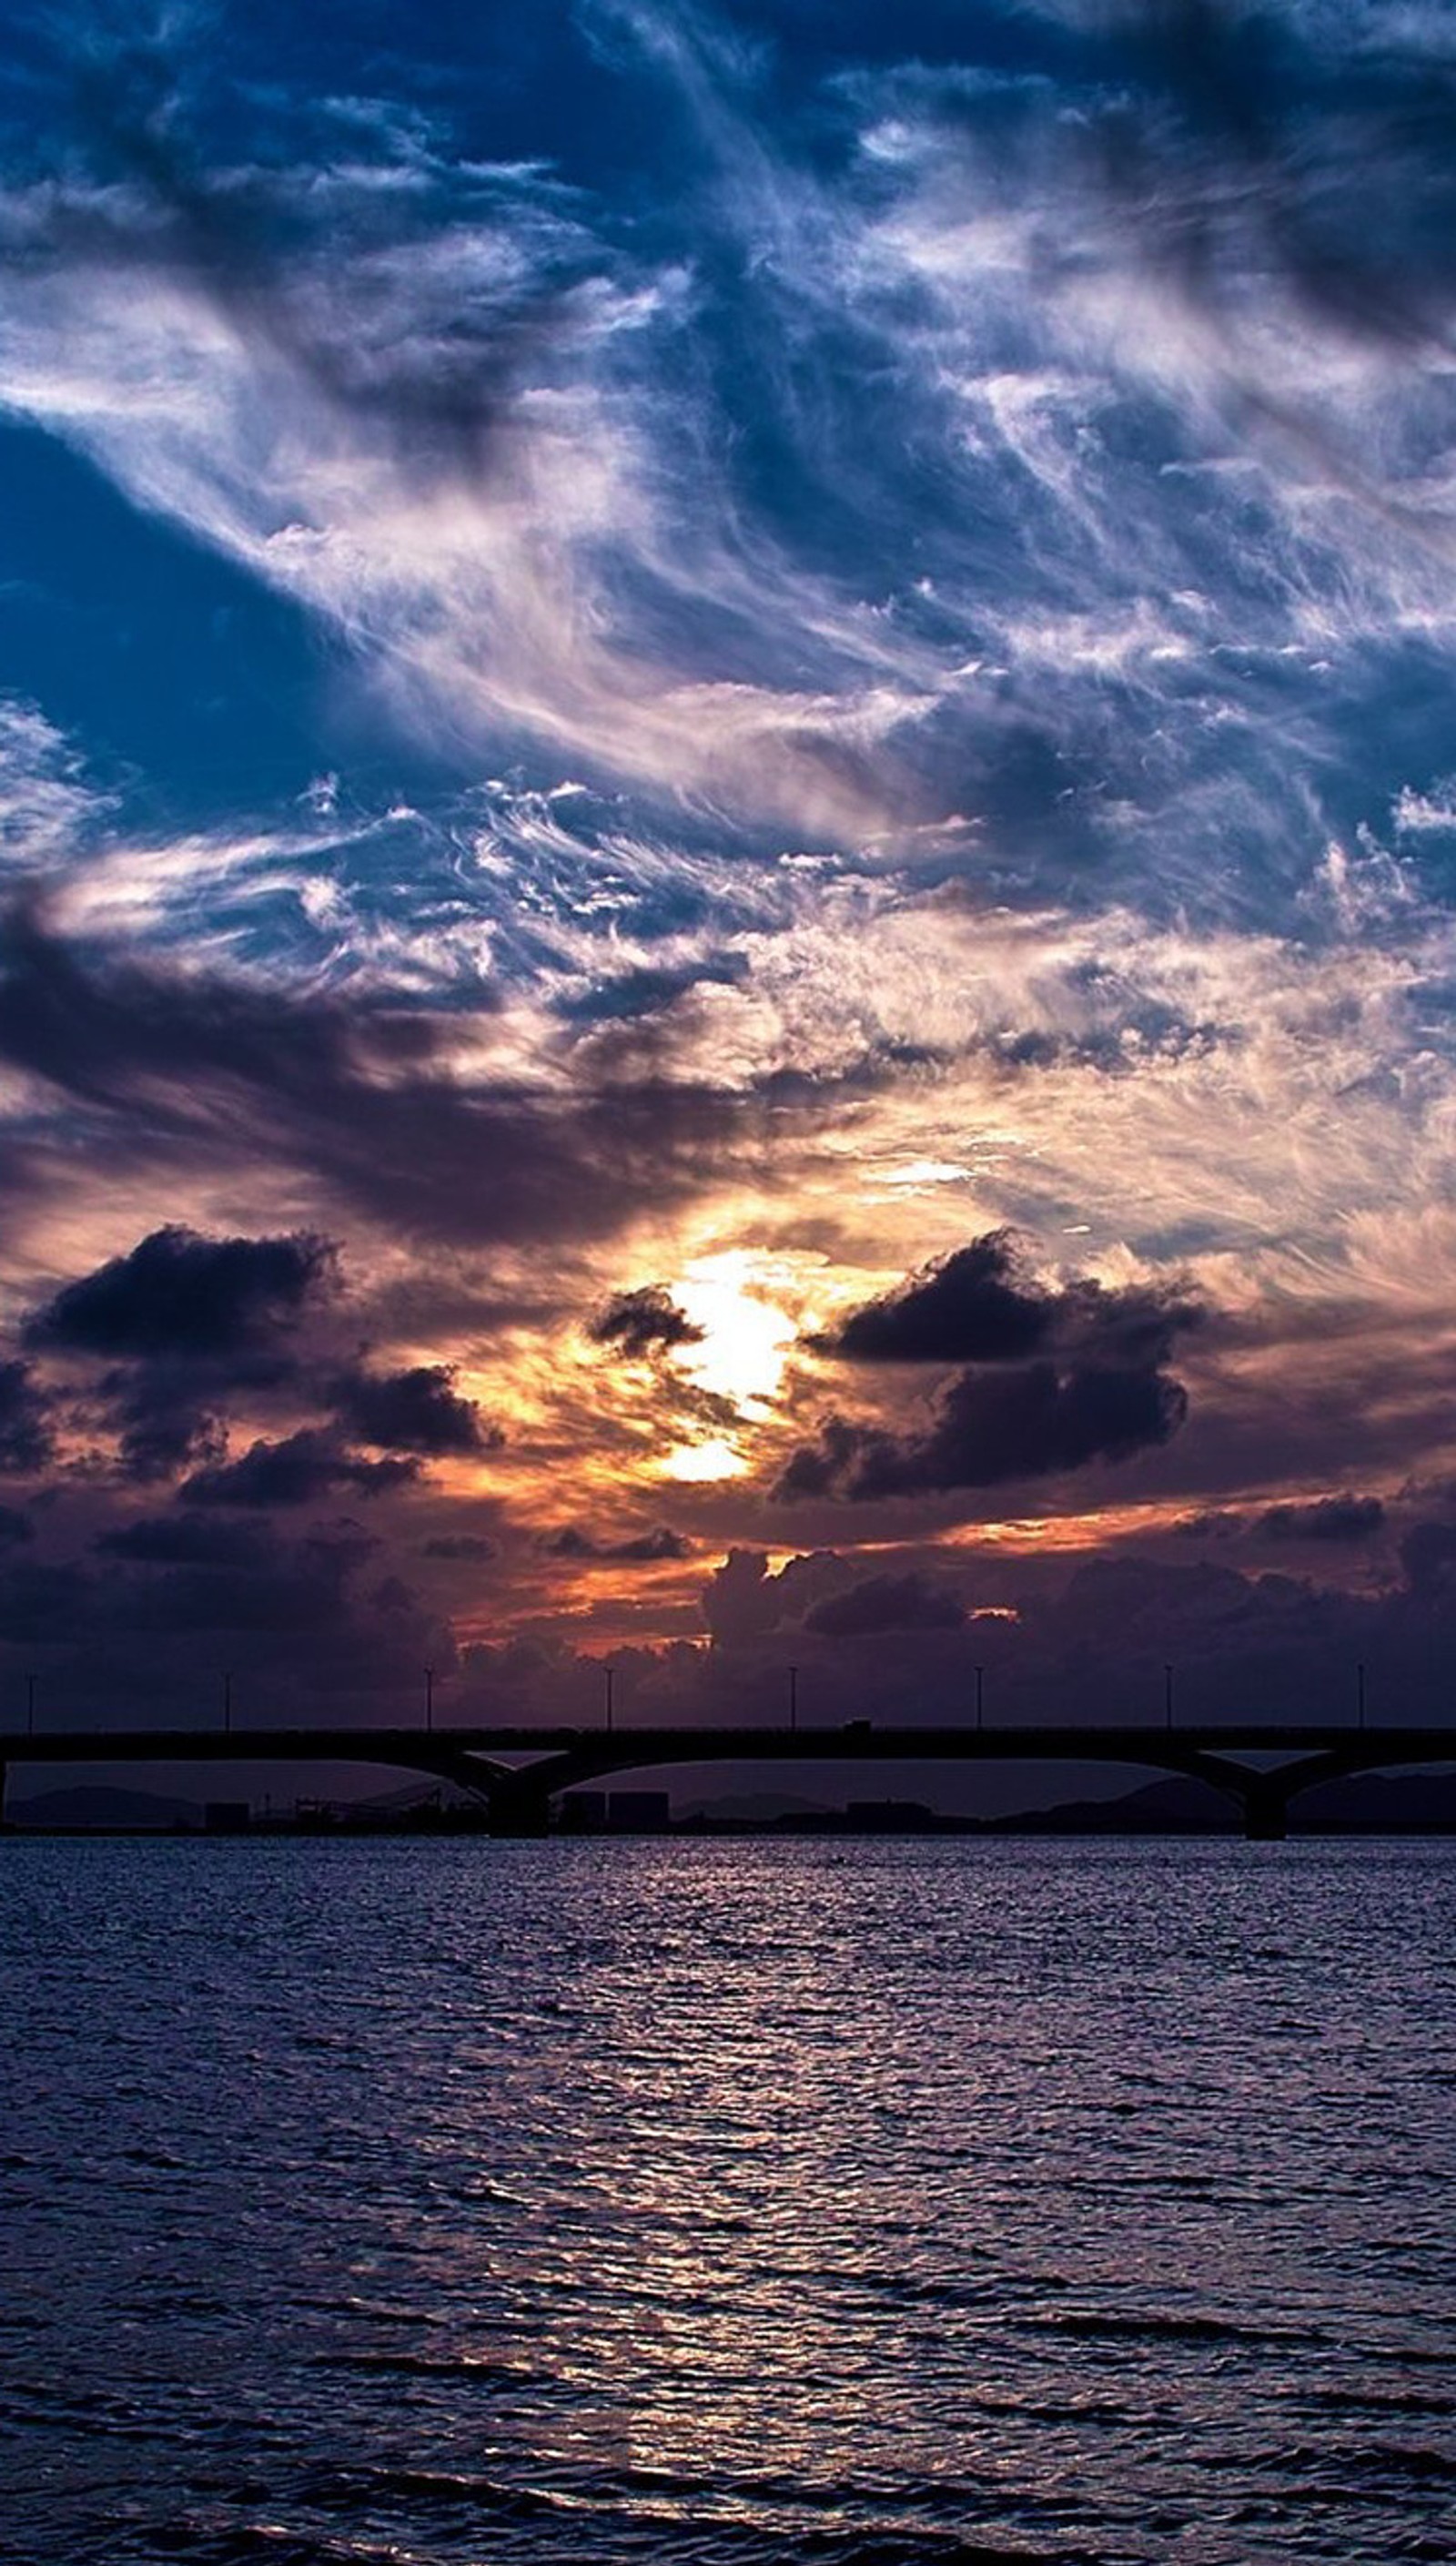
x,y
1086,481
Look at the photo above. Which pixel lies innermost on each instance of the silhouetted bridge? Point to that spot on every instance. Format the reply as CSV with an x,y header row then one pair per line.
x,y
518,1771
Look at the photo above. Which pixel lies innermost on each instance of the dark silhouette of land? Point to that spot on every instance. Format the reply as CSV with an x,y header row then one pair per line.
x,y
1374,1805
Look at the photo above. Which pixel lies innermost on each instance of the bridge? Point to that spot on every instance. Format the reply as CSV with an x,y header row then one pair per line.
x,y
518,1771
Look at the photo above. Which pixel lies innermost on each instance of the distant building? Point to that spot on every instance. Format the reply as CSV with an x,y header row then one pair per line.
x,y
226,1817
639,1813
583,1813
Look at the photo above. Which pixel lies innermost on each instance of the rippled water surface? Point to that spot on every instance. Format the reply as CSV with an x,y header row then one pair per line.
x,y
727,2203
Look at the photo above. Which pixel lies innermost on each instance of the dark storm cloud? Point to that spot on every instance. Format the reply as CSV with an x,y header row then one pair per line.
x,y
206,1320
966,1308
195,1321
188,1541
418,1411
161,1427
459,1545
297,1621
1093,1390
885,1604
1428,1556
975,1307
640,1322
295,1472
361,1095
179,1295
1345,1519
1085,1644
1211,1523
660,1543
169,1416
744,1600
1026,1422
25,1429
14,1527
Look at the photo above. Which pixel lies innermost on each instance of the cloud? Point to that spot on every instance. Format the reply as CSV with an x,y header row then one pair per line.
x,y
885,1604
1096,1391
965,1308
1089,477
301,1623
975,1307
510,459
1022,1423
1211,1523
185,1326
186,1541
15,1527
1428,1556
638,1323
571,1542
483,465
418,1411
178,1296
162,1428
1344,1519
295,1472
367,1097
25,1428
47,807
459,1546
745,1599
1229,147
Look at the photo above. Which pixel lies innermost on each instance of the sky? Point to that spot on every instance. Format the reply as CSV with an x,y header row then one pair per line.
x,y
727,841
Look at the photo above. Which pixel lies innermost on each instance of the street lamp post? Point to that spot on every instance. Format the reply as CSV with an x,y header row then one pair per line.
x,y
429,1696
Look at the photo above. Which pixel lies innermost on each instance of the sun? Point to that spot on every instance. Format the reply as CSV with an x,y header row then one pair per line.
x,y
738,1356
716,1458
745,1334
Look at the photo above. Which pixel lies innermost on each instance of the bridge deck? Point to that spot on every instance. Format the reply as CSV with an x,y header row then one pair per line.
x,y
520,1769
1131,1741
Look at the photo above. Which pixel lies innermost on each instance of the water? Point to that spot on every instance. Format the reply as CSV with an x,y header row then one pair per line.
x,y
733,2203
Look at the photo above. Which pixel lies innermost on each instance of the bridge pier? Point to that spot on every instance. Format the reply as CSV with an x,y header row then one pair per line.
x,y
519,1813
1266,1816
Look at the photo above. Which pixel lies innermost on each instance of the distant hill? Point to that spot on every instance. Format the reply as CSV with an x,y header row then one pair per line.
x,y
753,1808
95,1804
1371,1804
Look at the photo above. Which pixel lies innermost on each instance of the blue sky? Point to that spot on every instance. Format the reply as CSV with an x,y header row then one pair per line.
x,y
667,674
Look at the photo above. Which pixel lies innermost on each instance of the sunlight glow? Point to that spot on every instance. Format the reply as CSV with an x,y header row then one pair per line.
x,y
746,1335
738,1358
715,1460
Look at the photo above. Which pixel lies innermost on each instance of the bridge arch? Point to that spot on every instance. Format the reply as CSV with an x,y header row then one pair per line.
x,y
518,1770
